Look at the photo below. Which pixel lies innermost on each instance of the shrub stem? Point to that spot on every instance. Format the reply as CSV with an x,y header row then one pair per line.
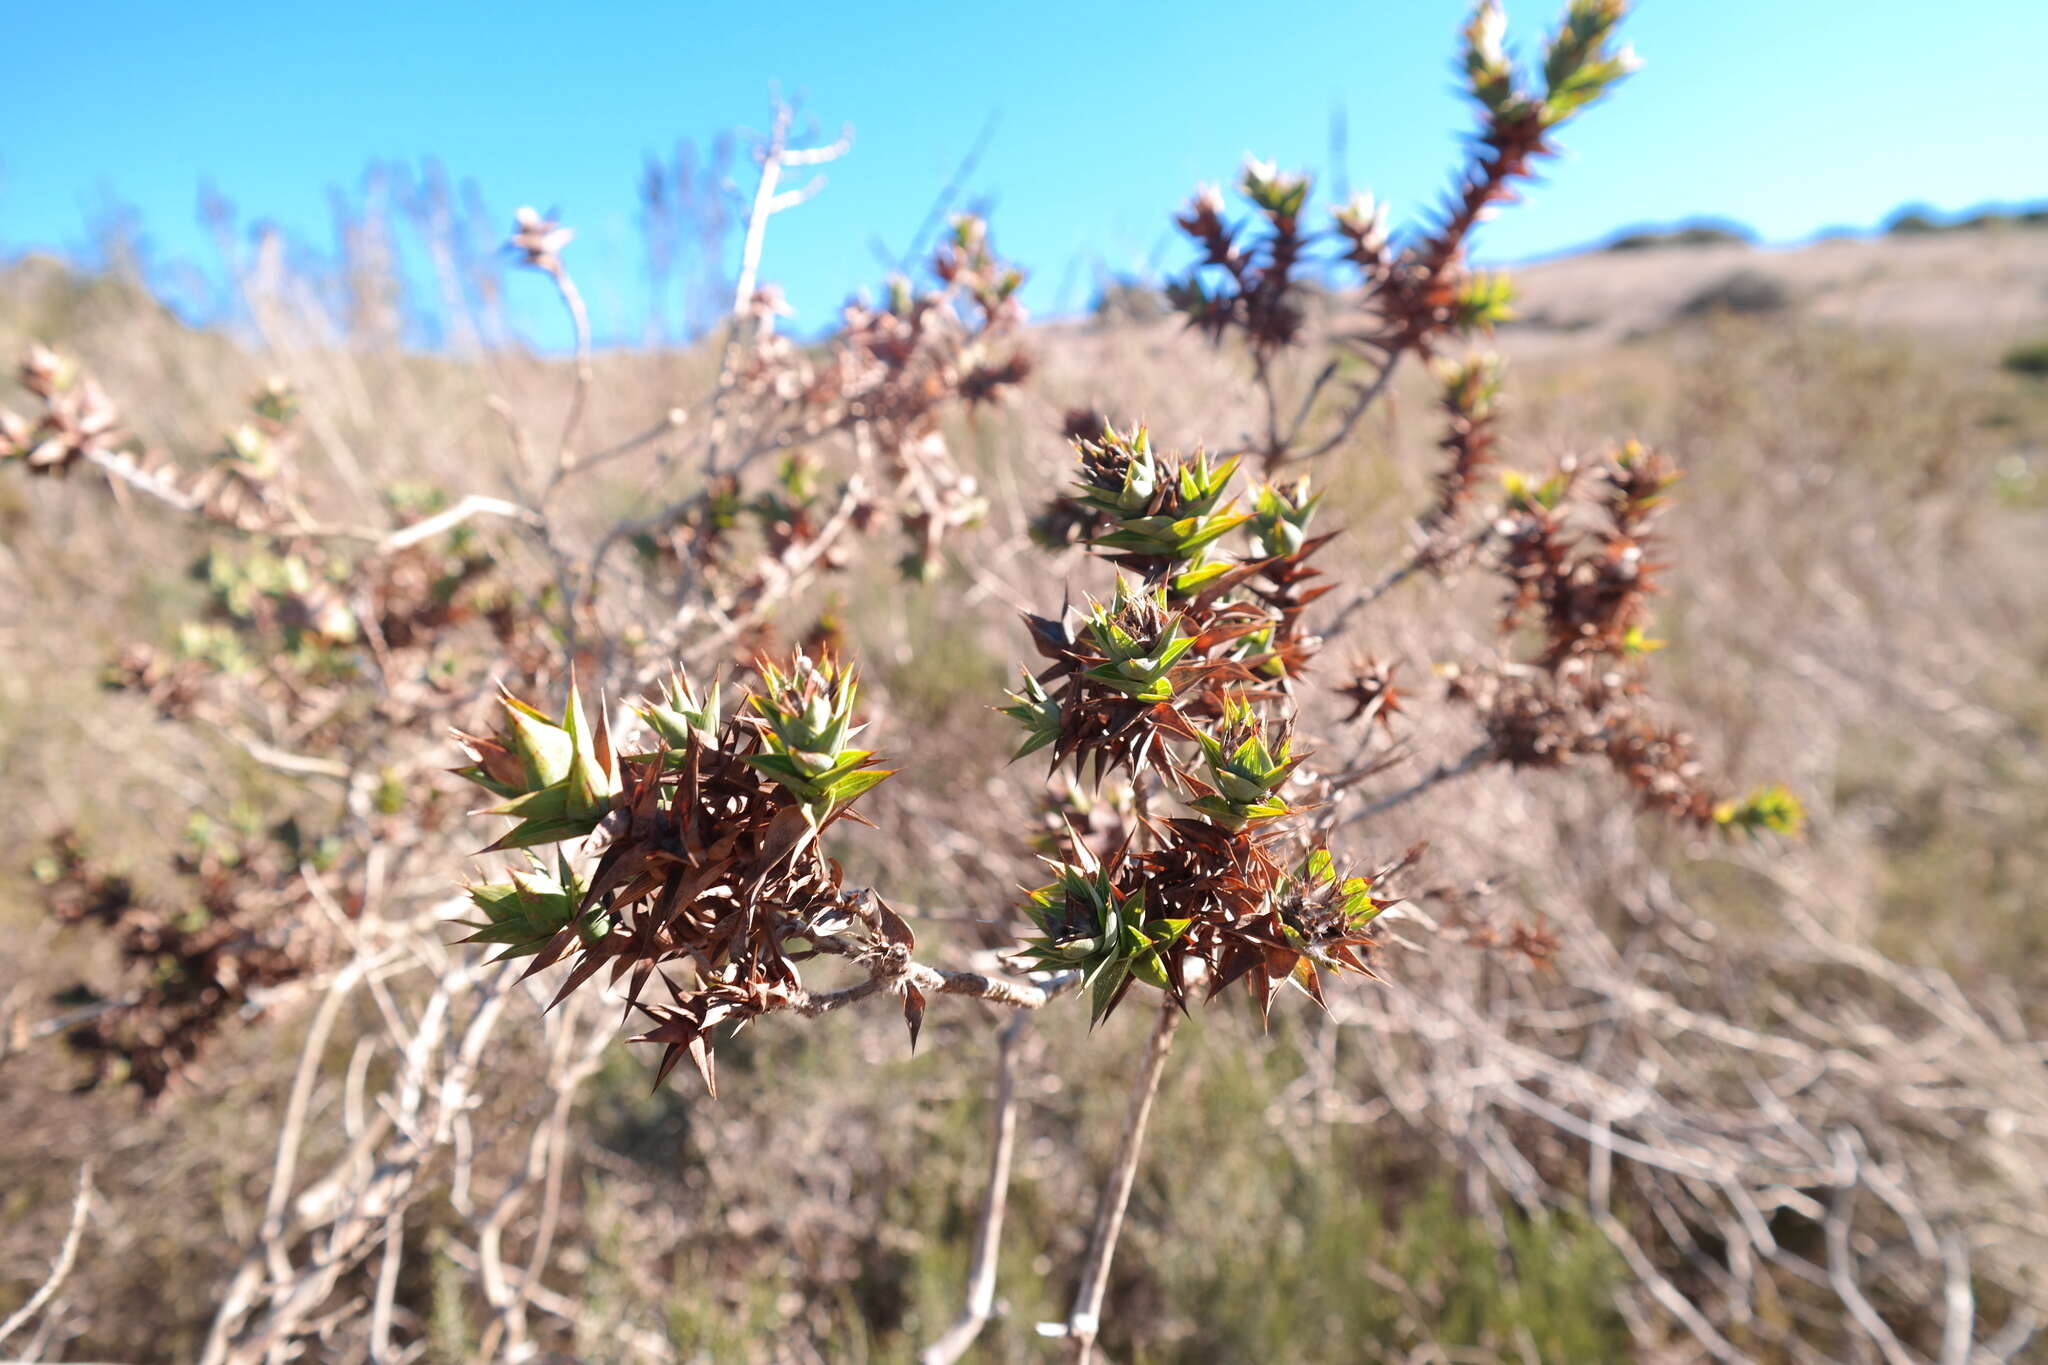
x,y
1086,1318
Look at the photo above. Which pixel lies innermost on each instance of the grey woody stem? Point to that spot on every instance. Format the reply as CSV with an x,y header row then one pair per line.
x,y
1086,1318
579,318
995,1199
67,1256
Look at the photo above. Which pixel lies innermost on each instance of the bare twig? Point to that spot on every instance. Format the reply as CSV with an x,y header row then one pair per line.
x,y
154,484
670,422
1086,1318
291,1131
1430,553
1448,771
470,505
988,1237
579,390
947,194
60,1269
1841,1264
386,1298
774,155
150,483
1361,402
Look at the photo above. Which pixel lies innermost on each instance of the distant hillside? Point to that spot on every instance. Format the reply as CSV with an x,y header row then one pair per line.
x,y
43,296
1992,284
1984,274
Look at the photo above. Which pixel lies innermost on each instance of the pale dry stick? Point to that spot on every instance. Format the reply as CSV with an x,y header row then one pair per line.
x,y
354,1083
60,1023
149,482
468,506
1740,1151
292,1130
2021,1325
1959,1304
355,1201
988,1238
1841,1261
579,391
386,1297
1086,1318
330,908
515,430
1689,1151
1659,1287
573,1060
155,485
67,1256
891,972
1667,1294
1773,1147
558,1160
775,156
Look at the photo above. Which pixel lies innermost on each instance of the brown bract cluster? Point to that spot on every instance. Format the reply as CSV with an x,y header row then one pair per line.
x,y
239,486
885,380
1585,590
1537,718
714,871
708,886
1128,677
78,420
1248,918
1104,726
1588,589
1370,689
539,239
1470,390
1257,295
1238,911
194,962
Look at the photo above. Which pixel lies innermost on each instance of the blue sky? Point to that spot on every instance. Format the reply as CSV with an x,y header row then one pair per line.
x,y
1790,115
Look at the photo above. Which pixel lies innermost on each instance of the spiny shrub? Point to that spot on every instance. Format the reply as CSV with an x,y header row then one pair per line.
x,y
675,852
